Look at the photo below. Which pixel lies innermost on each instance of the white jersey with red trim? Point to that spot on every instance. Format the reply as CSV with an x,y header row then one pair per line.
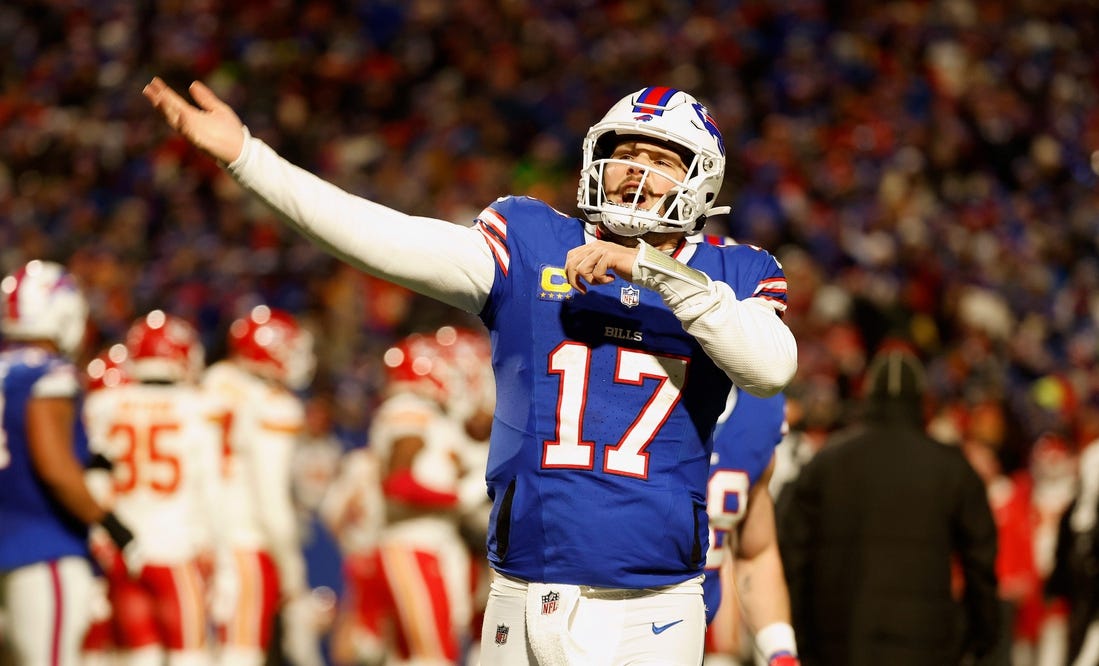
x,y
164,448
261,423
436,466
353,508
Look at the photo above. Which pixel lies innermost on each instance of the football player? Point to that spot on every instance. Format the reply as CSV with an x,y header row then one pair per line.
x,y
270,356
410,592
158,433
616,340
742,524
353,510
45,505
472,402
106,371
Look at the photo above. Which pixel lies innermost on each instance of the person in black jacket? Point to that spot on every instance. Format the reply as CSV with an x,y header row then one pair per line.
x,y
873,525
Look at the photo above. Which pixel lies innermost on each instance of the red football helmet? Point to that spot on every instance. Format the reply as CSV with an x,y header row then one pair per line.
x,y
418,363
272,344
472,387
164,347
108,369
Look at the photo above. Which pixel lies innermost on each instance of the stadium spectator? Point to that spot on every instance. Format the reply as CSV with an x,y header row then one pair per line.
x,y
870,531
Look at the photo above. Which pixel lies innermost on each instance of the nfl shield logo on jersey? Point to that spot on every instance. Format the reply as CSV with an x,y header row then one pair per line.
x,y
549,602
631,296
501,634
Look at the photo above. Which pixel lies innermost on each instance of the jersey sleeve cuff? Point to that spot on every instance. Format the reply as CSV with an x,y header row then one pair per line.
x,y
245,152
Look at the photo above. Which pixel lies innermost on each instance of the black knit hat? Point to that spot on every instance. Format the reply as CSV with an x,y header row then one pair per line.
x,y
895,374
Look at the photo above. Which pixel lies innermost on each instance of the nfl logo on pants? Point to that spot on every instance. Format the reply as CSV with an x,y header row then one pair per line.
x,y
549,602
501,634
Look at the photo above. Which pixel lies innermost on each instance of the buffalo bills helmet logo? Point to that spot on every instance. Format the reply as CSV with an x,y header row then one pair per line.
x,y
710,124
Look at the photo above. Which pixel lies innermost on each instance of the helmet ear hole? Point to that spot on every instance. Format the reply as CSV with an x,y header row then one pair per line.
x,y
604,146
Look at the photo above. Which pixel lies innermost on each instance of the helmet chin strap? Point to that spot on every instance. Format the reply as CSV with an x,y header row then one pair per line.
x,y
623,224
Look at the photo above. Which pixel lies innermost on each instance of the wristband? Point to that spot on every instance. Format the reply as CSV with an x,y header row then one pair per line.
x,y
672,279
119,533
776,638
100,461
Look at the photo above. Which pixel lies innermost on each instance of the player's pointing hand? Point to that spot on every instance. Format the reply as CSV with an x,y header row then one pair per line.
x,y
212,126
593,263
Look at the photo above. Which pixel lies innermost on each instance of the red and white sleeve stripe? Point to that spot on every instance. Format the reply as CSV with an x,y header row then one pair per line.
x,y
494,228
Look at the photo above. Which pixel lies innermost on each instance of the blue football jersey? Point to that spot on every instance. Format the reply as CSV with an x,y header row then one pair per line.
x,y
743,445
33,526
601,442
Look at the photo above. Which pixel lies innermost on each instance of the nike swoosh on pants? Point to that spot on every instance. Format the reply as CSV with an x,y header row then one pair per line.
x,y
664,627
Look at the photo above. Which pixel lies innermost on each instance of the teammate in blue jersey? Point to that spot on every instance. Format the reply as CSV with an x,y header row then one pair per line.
x,y
616,340
742,524
45,507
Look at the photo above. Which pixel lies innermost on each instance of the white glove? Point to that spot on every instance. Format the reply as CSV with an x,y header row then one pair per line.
x,y
301,621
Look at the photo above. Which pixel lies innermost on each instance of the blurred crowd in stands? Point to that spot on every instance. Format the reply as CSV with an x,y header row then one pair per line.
x,y
923,169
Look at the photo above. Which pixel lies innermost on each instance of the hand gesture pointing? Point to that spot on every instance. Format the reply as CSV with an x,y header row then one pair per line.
x,y
594,263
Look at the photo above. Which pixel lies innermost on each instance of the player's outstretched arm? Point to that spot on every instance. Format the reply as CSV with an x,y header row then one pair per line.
x,y
448,262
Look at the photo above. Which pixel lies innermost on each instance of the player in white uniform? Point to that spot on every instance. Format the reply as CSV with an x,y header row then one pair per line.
x,y
106,371
459,387
353,510
471,403
270,355
159,434
411,592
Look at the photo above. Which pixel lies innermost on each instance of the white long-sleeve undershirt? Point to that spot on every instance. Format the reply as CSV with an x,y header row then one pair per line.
x,y
452,263
445,261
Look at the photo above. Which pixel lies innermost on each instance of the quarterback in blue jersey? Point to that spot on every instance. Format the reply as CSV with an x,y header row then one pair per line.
x,y
616,339
45,507
742,523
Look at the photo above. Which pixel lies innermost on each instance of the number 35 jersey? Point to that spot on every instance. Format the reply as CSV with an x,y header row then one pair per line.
x,y
163,444
600,446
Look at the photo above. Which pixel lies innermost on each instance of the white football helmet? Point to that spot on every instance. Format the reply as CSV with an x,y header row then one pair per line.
x,y
43,302
672,117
